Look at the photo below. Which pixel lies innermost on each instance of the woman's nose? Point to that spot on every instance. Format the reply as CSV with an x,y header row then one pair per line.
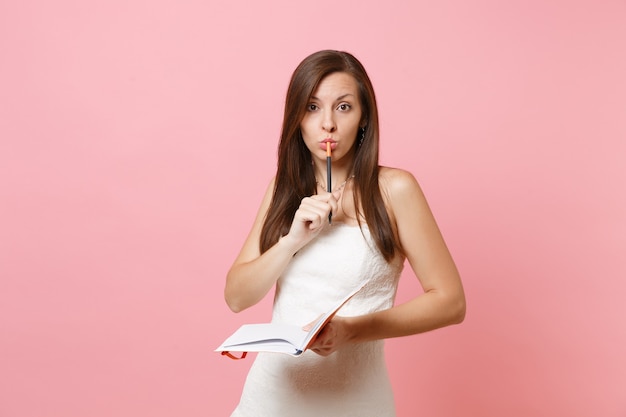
x,y
328,124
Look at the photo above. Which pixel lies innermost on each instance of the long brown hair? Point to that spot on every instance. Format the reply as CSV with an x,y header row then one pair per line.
x,y
295,178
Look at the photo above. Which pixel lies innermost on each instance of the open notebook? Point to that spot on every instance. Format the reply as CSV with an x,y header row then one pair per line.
x,y
278,337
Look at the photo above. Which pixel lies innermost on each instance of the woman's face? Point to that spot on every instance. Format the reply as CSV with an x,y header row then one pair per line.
x,y
333,114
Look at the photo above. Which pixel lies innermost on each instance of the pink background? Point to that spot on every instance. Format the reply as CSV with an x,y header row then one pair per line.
x,y
137,137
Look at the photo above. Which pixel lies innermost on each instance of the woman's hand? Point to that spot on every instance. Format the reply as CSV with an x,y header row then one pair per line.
x,y
332,336
311,218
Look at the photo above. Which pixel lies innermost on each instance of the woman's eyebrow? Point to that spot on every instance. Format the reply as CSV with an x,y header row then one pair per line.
x,y
337,99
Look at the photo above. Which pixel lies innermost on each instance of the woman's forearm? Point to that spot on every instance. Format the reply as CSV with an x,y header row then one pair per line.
x,y
428,311
248,282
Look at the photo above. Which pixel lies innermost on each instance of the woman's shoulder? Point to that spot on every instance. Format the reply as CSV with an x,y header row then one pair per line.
x,y
404,198
400,189
396,180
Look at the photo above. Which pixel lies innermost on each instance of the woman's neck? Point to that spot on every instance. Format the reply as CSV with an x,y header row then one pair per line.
x,y
340,173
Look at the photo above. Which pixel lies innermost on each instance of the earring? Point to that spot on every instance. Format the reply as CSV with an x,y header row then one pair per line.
x,y
362,136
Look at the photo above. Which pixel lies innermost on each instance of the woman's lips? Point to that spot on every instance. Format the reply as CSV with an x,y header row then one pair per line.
x,y
333,144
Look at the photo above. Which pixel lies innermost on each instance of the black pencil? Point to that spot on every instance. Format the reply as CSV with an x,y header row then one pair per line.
x,y
329,183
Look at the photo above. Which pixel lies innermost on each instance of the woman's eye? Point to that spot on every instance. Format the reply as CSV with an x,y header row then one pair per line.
x,y
311,107
344,107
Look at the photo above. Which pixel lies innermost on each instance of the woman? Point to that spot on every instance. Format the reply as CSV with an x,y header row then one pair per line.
x,y
316,244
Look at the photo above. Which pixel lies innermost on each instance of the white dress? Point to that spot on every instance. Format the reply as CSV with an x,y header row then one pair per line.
x,y
352,381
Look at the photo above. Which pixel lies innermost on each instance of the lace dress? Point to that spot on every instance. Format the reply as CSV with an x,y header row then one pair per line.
x,y
352,381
